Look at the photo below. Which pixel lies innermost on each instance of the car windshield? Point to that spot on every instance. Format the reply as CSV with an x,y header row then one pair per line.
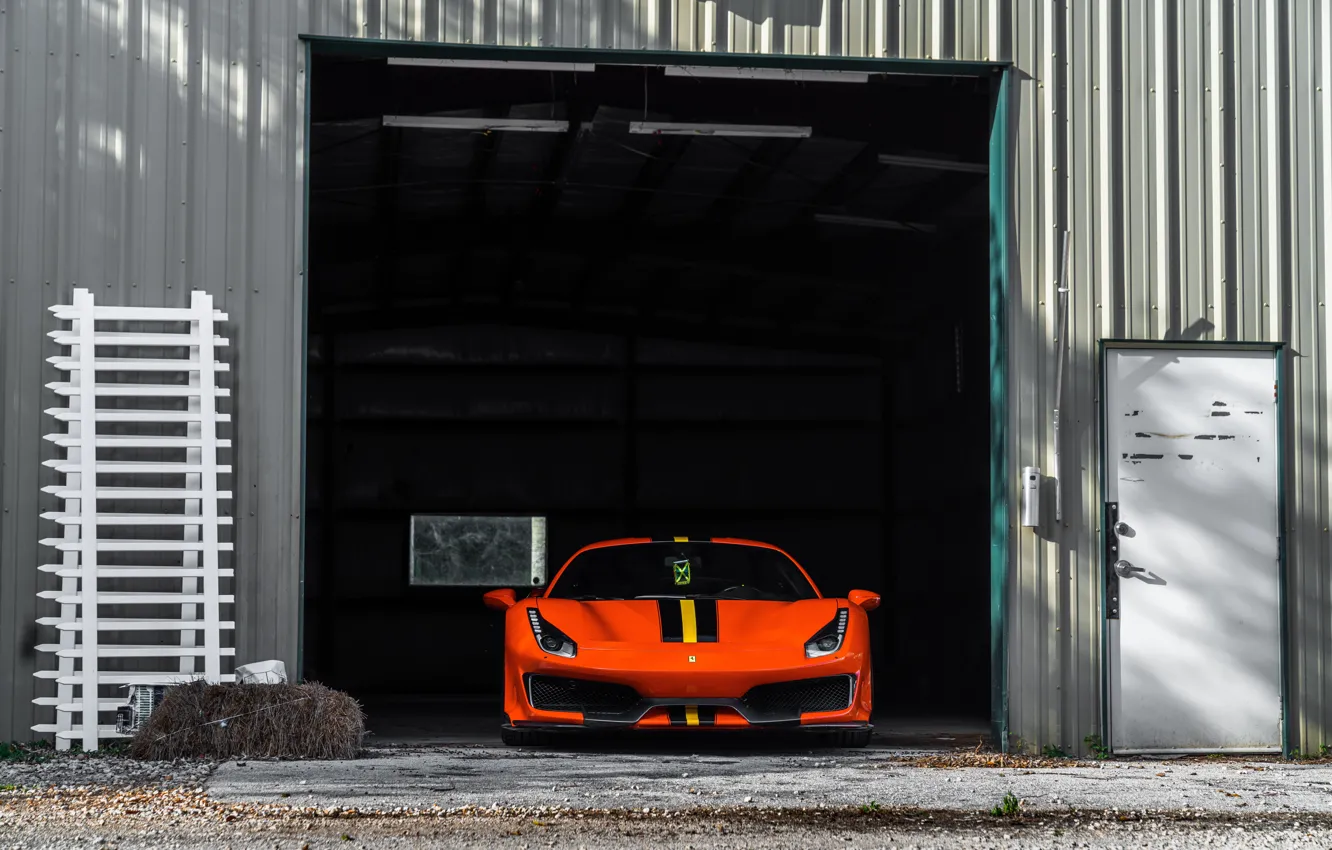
x,y
682,571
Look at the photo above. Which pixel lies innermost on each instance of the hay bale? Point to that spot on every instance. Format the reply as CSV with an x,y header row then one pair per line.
x,y
306,721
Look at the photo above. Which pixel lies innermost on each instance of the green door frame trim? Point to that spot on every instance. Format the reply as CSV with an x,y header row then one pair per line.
x,y
1278,350
1002,241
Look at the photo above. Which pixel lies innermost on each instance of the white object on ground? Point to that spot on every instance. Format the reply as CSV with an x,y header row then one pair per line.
x,y
262,673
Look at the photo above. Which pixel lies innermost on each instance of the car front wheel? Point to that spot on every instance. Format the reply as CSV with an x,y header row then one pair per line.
x,y
521,737
848,738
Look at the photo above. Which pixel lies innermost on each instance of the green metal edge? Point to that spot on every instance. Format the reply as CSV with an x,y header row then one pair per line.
x,y
1282,564
1279,349
384,48
1000,237
305,363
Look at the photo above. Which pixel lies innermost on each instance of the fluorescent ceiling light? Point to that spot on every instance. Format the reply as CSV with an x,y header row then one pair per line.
x,y
880,223
667,128
495,64
434,122
934,164
790,74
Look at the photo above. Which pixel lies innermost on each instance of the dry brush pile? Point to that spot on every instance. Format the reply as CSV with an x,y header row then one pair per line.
x,y
305,721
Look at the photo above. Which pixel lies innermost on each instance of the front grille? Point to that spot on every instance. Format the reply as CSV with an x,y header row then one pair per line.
x,y
551,693
829,693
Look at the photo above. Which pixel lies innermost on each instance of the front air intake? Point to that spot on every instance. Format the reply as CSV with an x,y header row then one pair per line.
x,y
828,693
553,693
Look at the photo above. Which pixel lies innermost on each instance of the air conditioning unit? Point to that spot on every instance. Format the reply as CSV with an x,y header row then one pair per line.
x,y
143,699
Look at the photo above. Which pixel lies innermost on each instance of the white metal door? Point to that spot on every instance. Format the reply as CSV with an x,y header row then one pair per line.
x,y
1193,550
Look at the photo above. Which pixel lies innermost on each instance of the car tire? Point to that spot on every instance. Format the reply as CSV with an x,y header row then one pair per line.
x,y
849,738
521,737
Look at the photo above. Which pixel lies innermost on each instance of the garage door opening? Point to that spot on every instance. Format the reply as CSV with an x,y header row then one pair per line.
x,y
646,301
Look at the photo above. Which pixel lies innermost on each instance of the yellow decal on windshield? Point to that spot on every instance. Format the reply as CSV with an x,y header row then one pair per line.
x,y
681,572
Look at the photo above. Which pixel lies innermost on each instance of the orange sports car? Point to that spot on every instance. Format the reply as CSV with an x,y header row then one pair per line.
x,y
677,634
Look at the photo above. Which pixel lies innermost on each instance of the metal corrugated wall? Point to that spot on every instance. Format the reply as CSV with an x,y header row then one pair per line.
x,y
150,146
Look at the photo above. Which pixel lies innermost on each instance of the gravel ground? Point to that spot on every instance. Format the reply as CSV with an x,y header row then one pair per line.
x,y
102,771
169,821
494,798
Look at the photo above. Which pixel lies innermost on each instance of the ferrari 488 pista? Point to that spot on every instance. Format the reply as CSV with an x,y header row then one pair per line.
x,y
684,634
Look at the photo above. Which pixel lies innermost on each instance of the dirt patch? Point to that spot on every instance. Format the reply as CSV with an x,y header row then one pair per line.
x,y
971,758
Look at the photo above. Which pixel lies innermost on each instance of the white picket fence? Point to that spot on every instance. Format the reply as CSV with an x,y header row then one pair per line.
x,y
183,521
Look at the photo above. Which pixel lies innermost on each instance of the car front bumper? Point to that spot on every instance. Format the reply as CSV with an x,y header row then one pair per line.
x,y
703,686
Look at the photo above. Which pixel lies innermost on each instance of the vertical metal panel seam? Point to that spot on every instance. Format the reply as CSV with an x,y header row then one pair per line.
x,y
1105,176
1324,291
1272,165
1216,216
1160,181
10,610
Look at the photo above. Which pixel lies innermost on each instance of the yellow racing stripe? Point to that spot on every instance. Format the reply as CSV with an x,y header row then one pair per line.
x,y
691,715
688,620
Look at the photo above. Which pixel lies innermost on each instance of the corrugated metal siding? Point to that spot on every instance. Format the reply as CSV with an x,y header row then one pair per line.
x,y
150,146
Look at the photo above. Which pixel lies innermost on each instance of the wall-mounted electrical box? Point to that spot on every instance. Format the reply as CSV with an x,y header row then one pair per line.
x,y
1031,496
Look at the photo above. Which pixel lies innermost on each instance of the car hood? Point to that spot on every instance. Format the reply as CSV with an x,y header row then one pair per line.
x,y
615,623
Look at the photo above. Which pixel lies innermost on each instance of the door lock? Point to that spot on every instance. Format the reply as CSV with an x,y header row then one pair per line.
x,y
1122,529
1124,569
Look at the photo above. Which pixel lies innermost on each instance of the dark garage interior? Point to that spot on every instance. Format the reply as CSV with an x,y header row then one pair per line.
x,y
629,332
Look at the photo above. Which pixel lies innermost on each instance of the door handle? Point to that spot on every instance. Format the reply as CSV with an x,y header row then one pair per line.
x,y
1124,569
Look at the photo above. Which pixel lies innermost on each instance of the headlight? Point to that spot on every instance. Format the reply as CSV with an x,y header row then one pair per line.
x,y
829,638
549,638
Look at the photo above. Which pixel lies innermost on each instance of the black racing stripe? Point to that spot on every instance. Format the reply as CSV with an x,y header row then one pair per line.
x,y
672,626
707,715
705,613
677,715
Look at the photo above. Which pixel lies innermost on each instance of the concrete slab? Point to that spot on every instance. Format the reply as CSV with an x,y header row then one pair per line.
x,y
681,775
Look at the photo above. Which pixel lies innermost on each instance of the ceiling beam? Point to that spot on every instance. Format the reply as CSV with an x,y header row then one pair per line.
x,y
752,180
930,201
600,247
387,211
484,150
561,162
855,175
626,224
766,332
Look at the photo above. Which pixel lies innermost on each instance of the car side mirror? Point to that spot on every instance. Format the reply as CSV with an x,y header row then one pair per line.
x,y
500,600
867,600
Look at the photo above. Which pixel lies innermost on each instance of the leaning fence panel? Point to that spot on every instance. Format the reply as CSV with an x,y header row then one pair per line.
x,y
140,525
